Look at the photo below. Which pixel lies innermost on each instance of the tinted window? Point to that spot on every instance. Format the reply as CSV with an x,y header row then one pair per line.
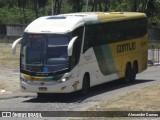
x,y
58,40
111,32
77,46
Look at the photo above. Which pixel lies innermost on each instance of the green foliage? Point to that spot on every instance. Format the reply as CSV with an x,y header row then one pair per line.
x,y
17,12
6,41
154,21
8,3
122,7
14,15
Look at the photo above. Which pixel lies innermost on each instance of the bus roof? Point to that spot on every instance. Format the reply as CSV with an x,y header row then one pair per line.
x,y
64,23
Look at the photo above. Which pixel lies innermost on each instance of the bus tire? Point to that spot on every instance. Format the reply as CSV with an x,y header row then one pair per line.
x,y
85,84
134,72
41,95
127,77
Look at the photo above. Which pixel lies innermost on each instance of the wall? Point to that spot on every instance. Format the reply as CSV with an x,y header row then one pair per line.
x,y
14,31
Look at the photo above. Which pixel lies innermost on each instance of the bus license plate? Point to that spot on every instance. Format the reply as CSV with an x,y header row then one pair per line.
x,y
42,88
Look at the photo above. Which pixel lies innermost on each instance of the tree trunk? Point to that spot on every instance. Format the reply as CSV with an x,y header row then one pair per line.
x,y
35,2
24,14
57,7
100,6
134,6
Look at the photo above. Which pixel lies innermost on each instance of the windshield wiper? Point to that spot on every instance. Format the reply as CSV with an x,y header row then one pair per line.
x,y
58,45
37,63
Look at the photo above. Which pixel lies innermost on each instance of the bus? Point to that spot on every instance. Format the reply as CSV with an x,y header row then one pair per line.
x,y
73,52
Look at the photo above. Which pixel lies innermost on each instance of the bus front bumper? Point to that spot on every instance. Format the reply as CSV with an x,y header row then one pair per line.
x,y
64,87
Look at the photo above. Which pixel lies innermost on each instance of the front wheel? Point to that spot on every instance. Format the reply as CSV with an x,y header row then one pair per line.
x,y
42,95
128,75
85,85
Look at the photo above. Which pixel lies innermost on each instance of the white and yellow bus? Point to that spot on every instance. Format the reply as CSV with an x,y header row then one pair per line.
x,y
69,52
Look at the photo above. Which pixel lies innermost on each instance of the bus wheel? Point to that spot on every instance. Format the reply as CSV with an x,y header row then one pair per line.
x,y
127,77
41,95
85,85
134,72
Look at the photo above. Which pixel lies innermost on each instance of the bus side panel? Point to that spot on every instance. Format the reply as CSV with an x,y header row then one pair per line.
x,y
144,55
99,65
141,53
122,53
89,65
106,63
129,51
105,59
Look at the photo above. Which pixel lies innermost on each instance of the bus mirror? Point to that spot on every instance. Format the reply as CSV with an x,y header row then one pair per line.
x,y
71,44
14,45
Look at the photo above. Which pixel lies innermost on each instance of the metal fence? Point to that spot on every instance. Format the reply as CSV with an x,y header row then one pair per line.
x,y
154,46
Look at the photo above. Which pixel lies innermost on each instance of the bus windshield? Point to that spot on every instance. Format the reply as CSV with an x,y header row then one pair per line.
x,y
44,53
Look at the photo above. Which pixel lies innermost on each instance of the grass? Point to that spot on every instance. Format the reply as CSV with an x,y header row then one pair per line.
x,y
146,99
6,57
6,41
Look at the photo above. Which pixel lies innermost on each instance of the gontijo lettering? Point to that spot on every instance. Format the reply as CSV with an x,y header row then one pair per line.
x,y
126,47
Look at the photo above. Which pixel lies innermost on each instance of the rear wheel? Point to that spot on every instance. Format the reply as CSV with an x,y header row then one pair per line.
x,y
127,77
85,85
134,72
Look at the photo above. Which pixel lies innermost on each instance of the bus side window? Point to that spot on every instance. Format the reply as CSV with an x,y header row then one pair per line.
x,y
91,38
77,46
88,35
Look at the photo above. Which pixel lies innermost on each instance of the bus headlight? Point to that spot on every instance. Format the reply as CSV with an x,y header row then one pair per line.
x,y
66,77
63,79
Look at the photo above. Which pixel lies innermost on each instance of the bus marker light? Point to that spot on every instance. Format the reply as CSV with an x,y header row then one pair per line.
x,y
64,87
23,88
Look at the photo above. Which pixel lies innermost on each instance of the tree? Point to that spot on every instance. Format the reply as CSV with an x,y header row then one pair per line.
x,y
57,7
148,7
106,5
42,3
151,9
22,3
135,4
77,5
95,5
35,2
